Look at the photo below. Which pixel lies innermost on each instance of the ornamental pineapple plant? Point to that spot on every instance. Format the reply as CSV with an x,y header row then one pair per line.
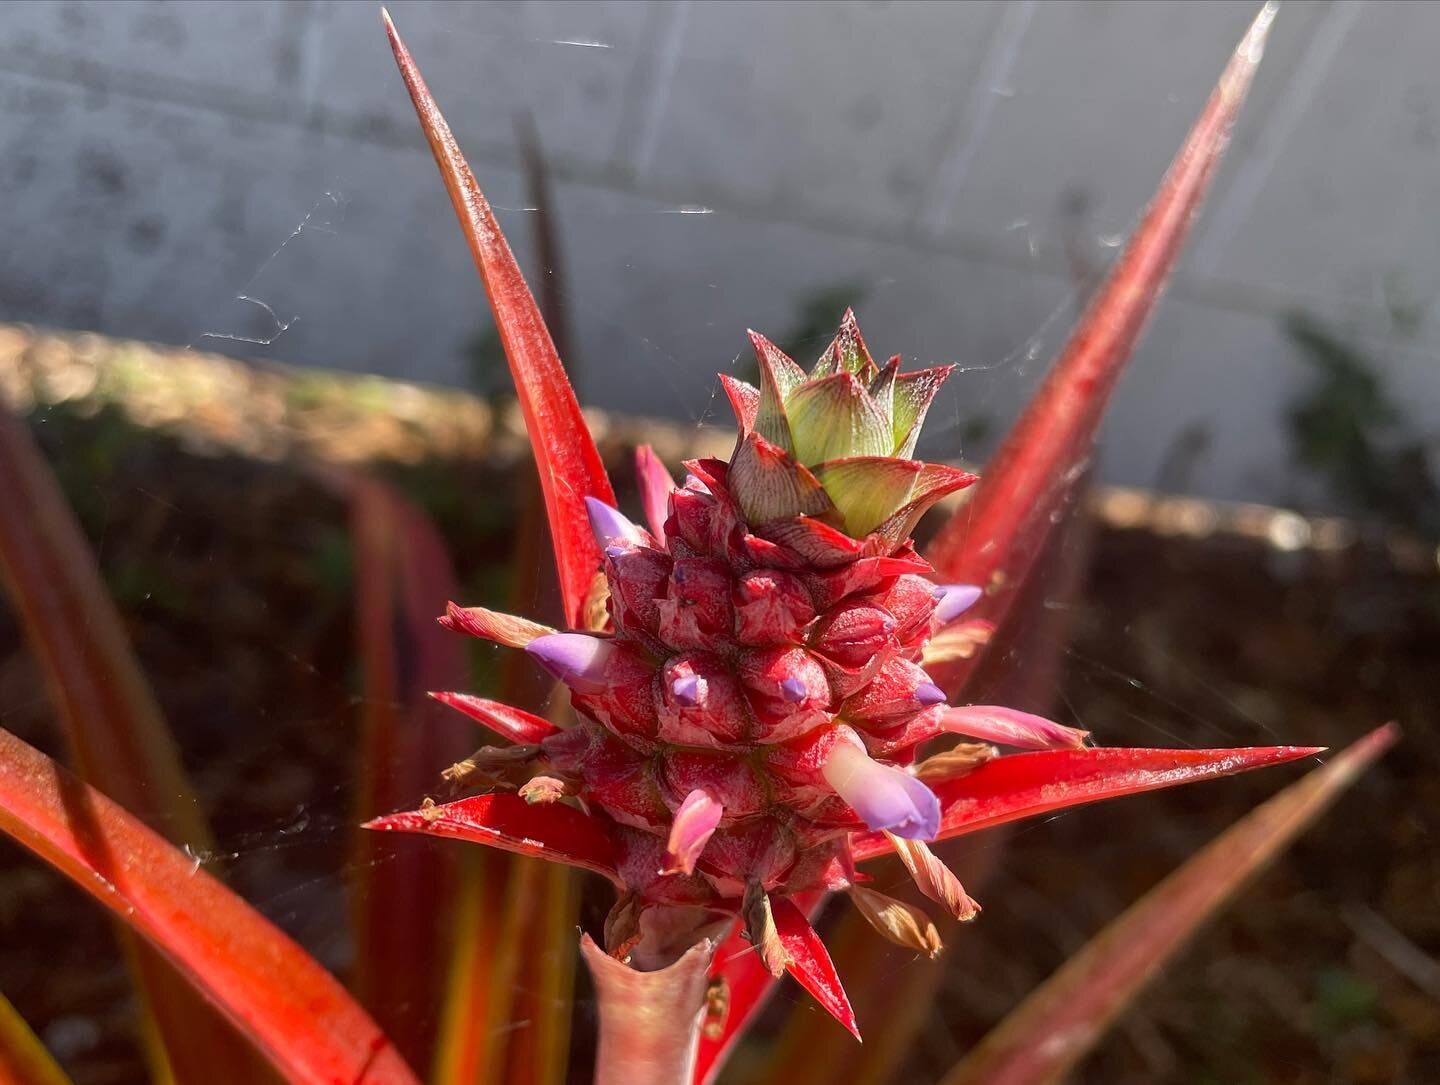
x,y
748,671
756,676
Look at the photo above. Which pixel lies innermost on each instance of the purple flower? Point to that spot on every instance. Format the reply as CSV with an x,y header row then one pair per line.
x,y
576,659
953,600
884,797
928,694
611,526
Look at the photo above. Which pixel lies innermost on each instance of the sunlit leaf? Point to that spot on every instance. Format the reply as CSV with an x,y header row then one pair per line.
x,y
565,454
1058,1023
113,727
1023,785
552,831
995,538
295,1012
809,963
743,983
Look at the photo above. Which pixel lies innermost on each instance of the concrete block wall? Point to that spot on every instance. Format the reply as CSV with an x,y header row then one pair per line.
x,y
719,164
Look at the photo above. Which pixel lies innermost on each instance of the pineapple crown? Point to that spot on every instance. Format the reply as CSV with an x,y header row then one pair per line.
x,y
831,449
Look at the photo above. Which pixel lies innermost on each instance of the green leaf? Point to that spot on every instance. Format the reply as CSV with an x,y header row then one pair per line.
x,y
913,395
882,388
868,489
779,377
846,353
834,418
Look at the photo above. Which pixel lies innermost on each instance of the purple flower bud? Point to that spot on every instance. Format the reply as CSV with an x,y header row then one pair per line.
x,y
928,694
953,600
793,690
884,797
576,659
610,526
688,690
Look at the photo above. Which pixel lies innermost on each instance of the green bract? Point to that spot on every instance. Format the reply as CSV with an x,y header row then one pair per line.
x,y
834,444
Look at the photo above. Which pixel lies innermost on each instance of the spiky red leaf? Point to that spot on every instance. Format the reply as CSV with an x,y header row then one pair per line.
x,y
113,726
569,464
513,723
656,484
1026,784
553,831
1060,1021
810,964
746,983
995,538
295,1012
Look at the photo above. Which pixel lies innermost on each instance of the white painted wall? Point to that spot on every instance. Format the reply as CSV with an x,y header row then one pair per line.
x,y
156,160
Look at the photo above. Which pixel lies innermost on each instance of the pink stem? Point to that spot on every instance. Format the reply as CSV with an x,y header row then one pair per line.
x,y
649,1021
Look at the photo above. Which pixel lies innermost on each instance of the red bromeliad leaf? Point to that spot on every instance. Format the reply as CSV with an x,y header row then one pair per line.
x,y
513,723
110,716
745,983
569,464
113,727
810,963
1043,1039
403,578
656,484
553,831
995,538
1023,785
295,1012
23,1058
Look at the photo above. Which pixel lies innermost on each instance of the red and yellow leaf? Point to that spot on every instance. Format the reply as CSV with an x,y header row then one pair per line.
x,y
995,538
113,727
23,1058
1058,1023
565,454
294,1011
403,580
